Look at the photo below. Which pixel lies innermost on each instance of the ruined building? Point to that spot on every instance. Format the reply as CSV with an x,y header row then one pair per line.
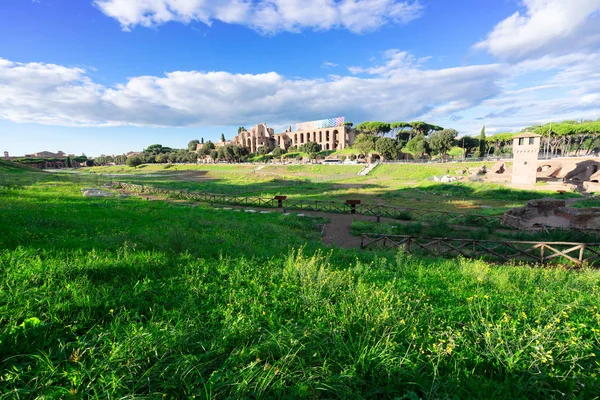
x,y
331,134
526,147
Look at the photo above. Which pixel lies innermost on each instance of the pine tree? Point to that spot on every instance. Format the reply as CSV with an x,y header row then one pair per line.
x,y
482,142
222,137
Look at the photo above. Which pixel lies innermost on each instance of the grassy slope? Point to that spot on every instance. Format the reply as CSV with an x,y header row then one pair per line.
x,y
403,185
7,167
120,297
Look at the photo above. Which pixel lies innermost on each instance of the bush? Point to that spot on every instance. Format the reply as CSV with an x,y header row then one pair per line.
x,y
133,161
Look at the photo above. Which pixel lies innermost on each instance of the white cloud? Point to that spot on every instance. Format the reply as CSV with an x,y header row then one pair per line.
x,y
545,26
398,88
265,16
328,64
567,90
53,94
395,61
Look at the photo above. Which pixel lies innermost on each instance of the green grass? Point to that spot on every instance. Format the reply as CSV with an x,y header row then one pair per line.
x,y
7,167
129,298
402,185
587,203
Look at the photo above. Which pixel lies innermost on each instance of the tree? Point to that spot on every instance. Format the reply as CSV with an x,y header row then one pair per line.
x,y
222,137
201,140
374,128
157,149
237,153
121,159
482,142
397,129
133,161
262,150
442,141
278,151
364,144
418,146
222,153
500,143
214,154
387,148
68,162
468,144
193,144
348,124
192,157
423,128
241,129
310,148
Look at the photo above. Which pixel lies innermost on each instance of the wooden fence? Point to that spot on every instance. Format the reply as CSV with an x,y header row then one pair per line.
x,y
401,213
543,253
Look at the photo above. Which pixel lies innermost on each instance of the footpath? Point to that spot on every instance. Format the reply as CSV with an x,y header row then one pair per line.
x,y
336,232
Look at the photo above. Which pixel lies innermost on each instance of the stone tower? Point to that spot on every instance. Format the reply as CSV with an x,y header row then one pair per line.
x,y
526,147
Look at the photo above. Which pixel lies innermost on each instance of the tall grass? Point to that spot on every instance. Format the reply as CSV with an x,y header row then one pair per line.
x,y
101,323
128,298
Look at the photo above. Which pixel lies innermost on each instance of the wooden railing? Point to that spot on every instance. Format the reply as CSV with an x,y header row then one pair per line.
x,y
403,213
376,210
500,250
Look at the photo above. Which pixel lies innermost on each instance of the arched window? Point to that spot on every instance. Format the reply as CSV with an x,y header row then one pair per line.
x,y
320,136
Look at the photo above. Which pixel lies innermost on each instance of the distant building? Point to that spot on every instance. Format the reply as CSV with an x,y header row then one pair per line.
x,y
45,159
526,148
46,154
331,134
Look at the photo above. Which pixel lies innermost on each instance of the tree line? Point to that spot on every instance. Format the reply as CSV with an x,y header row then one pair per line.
x,y
569,137
390,140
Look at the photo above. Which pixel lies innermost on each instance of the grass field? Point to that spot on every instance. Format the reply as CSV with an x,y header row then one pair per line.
x,y
403,185
124,297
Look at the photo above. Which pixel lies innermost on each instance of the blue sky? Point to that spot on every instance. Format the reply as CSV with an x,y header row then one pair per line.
x,y
110,76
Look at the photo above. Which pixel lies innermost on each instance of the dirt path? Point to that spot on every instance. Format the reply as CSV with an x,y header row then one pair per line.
x,y
337,232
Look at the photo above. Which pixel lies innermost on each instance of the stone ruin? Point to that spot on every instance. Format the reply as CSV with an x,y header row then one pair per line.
x,y
552,213
95,192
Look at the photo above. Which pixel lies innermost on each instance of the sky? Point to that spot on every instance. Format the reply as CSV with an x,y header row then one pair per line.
x,y
112,76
